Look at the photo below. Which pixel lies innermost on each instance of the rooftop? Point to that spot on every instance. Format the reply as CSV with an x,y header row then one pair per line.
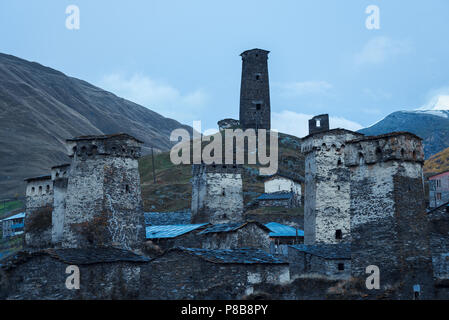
x,y
16,216
105,137
288,175
327,251
233,256
276,196
332,132
384,136
171,231
281,230
231,227
44,177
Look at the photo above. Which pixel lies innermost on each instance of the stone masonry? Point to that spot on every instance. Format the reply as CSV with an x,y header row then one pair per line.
x,y
388,218
255,110
327,186
103,203
217,194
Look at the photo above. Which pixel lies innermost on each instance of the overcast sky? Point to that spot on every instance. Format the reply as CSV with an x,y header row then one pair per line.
x,y
181,58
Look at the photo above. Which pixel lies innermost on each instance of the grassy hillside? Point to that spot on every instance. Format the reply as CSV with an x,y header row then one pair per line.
x,y
172,190
437,163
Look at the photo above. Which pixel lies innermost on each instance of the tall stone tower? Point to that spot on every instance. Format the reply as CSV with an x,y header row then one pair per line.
x,y
327,186
388,218
217,193
255,90
103,201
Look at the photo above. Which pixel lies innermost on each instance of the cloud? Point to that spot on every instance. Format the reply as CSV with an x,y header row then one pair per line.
x,y
379,49
297,124
438,100
294,89
157,96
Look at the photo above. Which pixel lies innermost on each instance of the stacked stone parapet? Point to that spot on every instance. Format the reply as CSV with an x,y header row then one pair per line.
x,y
399,146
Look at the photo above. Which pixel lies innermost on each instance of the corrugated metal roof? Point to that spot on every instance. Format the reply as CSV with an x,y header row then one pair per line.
x,y
276,196
170,231
17,216
281,230
238,256
327,251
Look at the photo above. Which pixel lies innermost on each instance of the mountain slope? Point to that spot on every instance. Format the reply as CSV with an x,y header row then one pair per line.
x,y
437,163
41,107
431,125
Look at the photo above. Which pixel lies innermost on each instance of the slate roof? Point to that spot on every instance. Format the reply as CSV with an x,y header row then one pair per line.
x,y
327,251
85,256
167,218
105,137
171,231
276,196
230,227
233,256
43,177
281,230
17,216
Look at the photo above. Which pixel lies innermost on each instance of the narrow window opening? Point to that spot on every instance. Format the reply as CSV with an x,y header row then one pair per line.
x,y
341,267
223,193
338,234
127,188
258,106
318,123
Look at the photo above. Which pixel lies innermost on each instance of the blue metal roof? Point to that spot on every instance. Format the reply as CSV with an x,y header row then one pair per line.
x,y
276,196
17,216
17,226
170,231
281,230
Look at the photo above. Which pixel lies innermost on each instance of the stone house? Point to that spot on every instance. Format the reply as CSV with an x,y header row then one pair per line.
x,y
278,199
13,226
330,260
39,209
169,236
105,273
281,234
217,193
236,235
286,183
211,274
439,189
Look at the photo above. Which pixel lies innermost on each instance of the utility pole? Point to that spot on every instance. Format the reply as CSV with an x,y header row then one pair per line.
x,y
152,160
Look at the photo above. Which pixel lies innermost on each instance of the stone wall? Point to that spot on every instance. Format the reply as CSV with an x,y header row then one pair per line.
x,y
103,202
255,110
44,277
327,187
217,194
196,278
388,219
39,207
60,180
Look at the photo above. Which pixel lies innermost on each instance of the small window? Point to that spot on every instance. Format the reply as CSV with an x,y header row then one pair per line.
x,y
341,267
338,234
33,190
318,123
438,196
48,188
57,174
127,188
338,188
257,76
339,163
223,192
258,106
40,189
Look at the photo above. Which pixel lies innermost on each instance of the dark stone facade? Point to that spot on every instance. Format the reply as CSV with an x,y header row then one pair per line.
x,y
255,110
388,218
319,124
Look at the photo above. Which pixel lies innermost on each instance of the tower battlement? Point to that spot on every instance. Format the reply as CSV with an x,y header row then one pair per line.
x,y
219,168
399,146
115,145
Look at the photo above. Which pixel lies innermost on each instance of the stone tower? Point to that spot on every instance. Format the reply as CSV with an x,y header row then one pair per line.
x,y
388,218
327,186
59,175
255,90
319,124
217,193
103,201
39,207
